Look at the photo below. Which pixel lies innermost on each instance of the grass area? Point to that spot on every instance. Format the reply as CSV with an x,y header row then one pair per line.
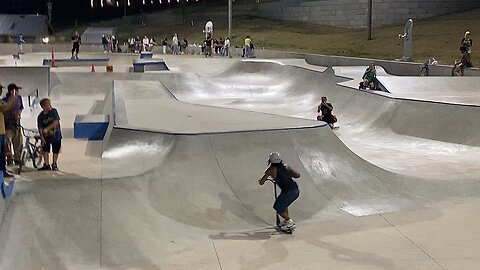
x,y
437,37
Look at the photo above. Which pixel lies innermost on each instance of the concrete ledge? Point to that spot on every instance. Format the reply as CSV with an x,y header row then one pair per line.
x,y
91,127
146,55
143,65
77,62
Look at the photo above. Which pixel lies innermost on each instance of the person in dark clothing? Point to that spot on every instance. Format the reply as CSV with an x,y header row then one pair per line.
x,y
283,176
48,123
76,41
105,43
326,109
208,46
466,48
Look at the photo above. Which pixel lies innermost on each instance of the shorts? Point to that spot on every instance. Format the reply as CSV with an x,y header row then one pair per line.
x,y
285,199
50,144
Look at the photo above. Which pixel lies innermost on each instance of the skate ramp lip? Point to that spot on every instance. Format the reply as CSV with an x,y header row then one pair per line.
x,y
446,90
133,100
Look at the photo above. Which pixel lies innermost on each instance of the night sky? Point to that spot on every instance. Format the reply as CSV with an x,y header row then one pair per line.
x,y
65,12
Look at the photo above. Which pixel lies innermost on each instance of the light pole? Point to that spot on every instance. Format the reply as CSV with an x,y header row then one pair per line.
x,y
229,19
369,19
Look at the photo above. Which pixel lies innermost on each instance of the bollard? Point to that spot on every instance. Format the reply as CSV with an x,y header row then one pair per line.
x,y
52,64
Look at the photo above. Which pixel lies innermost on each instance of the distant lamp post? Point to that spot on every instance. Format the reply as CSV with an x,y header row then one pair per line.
x,y
49,11
369,19
230,4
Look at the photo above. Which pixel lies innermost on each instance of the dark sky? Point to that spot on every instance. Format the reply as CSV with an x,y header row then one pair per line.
x,y
66,12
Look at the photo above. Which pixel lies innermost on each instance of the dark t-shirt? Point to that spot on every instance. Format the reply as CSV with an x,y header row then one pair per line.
x,y
10,116
284,179
76,40
325,110
46,119
208,42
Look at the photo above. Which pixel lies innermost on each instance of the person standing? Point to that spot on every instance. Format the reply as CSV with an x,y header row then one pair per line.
x,y
226,47
145,44
282,175
175,48
466,49
247,49
20,42
48,122
208,45
164,45
105,43
76,41
13,132
4,107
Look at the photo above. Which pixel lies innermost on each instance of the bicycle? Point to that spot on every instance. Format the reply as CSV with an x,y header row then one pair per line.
x,y
30,151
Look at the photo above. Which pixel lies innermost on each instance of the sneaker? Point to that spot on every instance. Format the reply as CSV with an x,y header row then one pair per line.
x,y
54,167
46,167
281,224
7,175
289,225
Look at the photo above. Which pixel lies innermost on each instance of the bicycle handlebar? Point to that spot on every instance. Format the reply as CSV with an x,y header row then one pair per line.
x,y
24,130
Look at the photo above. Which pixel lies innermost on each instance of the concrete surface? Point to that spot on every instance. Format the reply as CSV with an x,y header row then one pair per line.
x,y
395,187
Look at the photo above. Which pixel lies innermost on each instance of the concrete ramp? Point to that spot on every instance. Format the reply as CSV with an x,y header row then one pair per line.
x,y
178,183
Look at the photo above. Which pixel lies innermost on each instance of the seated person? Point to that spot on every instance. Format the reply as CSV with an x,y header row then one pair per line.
x,y
326,109
369,78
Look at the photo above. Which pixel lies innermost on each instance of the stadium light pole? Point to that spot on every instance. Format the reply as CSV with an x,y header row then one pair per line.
x,y
369,19
229,19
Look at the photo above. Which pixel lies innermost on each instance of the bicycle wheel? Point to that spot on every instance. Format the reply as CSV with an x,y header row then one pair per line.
x,y
37,158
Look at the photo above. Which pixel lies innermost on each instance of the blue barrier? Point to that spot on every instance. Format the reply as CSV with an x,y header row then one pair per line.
x,y
77,62
91,127
6,187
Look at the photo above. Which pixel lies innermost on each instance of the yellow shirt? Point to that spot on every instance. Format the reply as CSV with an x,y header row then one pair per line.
x,y
3,107
248,41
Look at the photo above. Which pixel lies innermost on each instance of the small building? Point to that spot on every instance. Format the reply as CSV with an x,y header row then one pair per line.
x,y
32,27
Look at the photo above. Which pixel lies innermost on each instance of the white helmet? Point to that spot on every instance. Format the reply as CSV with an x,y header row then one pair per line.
x,y
274,158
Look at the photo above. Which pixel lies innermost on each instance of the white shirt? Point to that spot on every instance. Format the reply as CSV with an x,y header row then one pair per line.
x,y
227,43
145,41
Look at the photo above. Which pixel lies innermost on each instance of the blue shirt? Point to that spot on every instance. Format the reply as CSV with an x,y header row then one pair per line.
x,y
20,40
46,119
11,113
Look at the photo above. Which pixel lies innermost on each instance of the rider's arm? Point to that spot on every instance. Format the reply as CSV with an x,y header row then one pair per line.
x,y
293,173
270,173
6,106
52,125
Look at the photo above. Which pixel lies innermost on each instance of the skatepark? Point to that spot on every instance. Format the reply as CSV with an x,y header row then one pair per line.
x,y
173,182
